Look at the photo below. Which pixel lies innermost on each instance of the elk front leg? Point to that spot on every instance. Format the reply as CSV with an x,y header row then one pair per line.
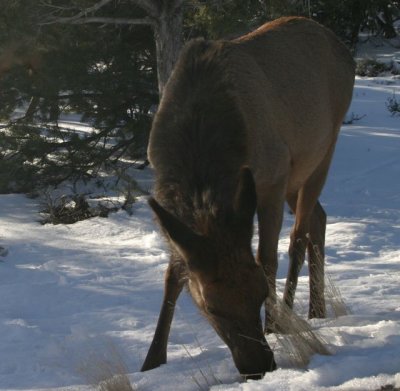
x,y
174,281
270,215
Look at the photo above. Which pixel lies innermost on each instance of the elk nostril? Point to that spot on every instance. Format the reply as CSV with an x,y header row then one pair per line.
x,y
253,376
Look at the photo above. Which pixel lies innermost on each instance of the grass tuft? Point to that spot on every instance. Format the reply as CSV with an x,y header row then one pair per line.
x,y
115,383
297,341
105,369
334,298
206,377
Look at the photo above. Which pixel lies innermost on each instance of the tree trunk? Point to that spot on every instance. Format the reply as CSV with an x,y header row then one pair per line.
x,y
387,23
168,37
358,12
30,112
164,16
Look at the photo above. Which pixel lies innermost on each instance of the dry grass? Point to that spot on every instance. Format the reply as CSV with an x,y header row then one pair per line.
x,y
205,378
297,341
115,383
334,299
105,369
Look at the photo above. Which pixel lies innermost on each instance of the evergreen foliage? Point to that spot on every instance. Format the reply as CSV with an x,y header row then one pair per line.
x,y
347,18
223,19
104,75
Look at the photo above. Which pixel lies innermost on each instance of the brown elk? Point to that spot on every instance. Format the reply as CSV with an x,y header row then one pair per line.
x,y
17,54
242,127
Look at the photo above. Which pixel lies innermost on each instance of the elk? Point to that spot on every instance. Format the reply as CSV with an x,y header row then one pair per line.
x,y
17,54
243,127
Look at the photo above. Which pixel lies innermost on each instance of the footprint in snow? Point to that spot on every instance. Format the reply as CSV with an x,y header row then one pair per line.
x,y
3,251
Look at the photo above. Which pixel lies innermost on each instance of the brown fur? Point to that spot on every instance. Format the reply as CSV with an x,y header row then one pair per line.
x,y
272,101
16,54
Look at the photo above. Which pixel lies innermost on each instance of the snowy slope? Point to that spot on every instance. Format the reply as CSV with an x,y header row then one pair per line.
x,y
72,296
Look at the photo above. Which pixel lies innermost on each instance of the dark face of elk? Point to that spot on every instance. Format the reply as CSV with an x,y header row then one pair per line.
x,y
232,305
226,283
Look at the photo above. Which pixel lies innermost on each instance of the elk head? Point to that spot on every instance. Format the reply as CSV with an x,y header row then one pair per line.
x,y
224,279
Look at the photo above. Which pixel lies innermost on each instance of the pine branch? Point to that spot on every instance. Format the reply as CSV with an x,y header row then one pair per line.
x,y
83,18
105,20
150,6
79,15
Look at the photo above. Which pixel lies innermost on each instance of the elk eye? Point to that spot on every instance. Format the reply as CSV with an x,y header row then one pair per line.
x,y
211,310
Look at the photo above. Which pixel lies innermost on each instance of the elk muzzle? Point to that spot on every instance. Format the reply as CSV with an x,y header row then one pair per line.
x,y
254,362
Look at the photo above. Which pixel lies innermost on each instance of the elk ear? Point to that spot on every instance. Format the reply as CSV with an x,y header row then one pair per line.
x,y
185,240
245,202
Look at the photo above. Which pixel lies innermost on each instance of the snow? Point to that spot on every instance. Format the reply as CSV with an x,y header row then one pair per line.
x,y
73,295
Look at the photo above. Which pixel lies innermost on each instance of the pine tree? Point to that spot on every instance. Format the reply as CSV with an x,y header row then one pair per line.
x,y
107,62
106,75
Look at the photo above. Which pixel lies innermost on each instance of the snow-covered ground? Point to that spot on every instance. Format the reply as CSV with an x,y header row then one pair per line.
x,y
74,296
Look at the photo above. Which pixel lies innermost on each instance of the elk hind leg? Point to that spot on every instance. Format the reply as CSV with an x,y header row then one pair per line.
x,y
309,224
316,255
297,248
303,204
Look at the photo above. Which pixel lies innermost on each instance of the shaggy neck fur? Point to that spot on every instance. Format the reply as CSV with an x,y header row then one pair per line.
x,y
197,154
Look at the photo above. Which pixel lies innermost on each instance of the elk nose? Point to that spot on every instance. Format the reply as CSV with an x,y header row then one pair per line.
x,y
256,364
255,376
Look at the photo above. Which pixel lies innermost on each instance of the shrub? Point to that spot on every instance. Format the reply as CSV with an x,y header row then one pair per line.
x,y
393,105
370,68
352,117
70,209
